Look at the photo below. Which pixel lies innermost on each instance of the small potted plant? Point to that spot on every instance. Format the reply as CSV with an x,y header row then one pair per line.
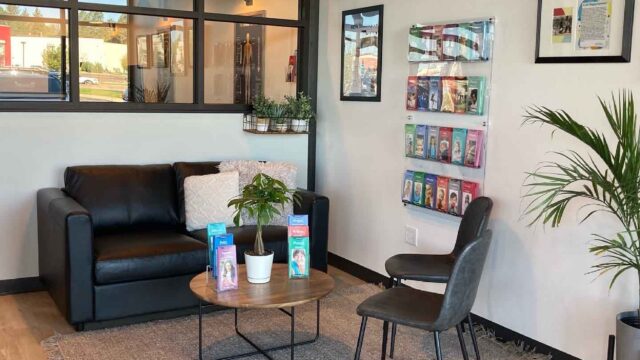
x,y
301,112
262,110
278,116
263,199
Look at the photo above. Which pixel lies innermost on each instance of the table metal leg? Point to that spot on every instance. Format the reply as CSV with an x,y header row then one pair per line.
x,y
291,345
293,331
200,330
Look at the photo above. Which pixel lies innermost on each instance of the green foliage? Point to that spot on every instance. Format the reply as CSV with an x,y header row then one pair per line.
x,y
608,179
262,199
52,58
262,106
299,107
91,67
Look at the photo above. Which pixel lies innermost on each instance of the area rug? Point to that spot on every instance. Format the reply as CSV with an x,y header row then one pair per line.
x,y
178,338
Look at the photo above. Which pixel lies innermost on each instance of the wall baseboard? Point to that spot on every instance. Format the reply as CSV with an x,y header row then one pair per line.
x,y
16,286
502,333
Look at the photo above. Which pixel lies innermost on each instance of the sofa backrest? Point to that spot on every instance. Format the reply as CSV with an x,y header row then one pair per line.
x,y
184,170
125,196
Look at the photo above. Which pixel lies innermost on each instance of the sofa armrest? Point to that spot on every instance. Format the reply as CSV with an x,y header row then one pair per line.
x,y
65,249
317,207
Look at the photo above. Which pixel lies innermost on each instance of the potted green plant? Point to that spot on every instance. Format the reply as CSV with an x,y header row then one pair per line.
x,y
300,111
262,110
278,116
263,199
608,180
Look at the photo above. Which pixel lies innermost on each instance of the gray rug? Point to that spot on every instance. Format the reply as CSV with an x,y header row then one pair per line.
x,y
178,338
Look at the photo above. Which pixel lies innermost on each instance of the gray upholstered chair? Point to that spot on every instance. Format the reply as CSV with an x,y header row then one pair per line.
x,y
430,311
437,268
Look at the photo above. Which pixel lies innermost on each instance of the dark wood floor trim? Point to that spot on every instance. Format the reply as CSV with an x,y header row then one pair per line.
x,y
502,333
16,286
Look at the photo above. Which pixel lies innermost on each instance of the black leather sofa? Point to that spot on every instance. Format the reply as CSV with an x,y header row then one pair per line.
x,y
113,244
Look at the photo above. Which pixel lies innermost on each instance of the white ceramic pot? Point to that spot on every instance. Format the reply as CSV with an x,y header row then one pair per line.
x,y
299,125
262,124
258,268
627,336
281,127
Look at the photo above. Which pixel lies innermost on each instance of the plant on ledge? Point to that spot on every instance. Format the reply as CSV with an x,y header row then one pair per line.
x,y
608,179
263,199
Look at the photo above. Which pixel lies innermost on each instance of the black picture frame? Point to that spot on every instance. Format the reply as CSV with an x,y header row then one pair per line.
x,y
379,9
624,57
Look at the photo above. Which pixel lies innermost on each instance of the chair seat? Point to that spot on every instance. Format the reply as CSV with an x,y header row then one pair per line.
x,y
420,267
274,238
404,306
143,255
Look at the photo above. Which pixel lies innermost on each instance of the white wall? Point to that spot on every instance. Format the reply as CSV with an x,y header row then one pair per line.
x,y
35,148
534,282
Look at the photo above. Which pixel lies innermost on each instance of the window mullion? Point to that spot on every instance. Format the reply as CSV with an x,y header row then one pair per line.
x,y
198,53
74,52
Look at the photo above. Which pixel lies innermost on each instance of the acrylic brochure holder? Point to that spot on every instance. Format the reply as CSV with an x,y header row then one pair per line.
x,y
439,68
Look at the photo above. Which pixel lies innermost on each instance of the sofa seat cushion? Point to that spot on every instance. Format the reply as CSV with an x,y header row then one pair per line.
x,y
143,255
274,237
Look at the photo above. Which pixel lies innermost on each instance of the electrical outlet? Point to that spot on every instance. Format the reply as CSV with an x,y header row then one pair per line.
x,y
411,235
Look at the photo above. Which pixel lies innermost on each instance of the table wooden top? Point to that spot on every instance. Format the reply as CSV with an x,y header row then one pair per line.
x,y
280,292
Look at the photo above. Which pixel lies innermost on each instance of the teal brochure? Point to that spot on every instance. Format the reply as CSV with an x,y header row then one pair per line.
x,y
214,229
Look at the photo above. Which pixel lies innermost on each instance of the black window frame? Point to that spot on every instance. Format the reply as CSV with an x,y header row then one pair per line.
x,y
306,24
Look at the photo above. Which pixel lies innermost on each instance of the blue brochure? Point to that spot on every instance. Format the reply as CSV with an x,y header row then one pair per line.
x,y
298,220
218,240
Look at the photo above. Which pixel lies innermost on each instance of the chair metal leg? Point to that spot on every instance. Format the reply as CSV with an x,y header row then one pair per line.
x,y
474,340
385,330
436,338
391,282
463,346
394,328
363,327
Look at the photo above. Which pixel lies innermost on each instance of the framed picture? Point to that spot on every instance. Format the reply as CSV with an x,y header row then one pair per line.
x,y
142,47
361,70
178,51
584,31
160,47
249,59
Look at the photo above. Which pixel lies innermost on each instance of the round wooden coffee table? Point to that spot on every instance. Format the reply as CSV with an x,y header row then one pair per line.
x,y
280,293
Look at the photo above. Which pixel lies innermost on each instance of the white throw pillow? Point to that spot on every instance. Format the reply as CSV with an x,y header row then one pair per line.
x,y
248,169
206,198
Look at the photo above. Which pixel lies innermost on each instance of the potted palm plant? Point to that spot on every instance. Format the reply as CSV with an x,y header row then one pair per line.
x,y
608,179
263,199
262,111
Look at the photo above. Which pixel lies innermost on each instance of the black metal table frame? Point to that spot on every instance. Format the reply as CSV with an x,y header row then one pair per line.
x,y
260,350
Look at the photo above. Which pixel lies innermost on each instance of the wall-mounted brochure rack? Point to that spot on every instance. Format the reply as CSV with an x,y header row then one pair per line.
x,y
446,131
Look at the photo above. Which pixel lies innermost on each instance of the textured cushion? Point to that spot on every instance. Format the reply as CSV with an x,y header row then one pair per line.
x,y
420,267
125,196
206,198
144,255
274,237
185,169
248,169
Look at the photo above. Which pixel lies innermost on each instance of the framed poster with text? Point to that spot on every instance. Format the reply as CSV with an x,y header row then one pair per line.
x,y
584,31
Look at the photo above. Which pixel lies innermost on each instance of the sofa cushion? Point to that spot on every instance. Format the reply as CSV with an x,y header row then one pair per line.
x,y
125,196
141,255
274,237
185,169
206,198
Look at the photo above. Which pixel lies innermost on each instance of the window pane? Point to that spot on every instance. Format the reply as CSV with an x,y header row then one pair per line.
x,y
244,60
33,53
281,9
135,58
186,5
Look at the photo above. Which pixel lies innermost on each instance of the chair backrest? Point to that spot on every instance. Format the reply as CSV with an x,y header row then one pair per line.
x,y
474,222
462,287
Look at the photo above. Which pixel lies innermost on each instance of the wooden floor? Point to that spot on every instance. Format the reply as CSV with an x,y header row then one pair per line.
x,y
27,319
